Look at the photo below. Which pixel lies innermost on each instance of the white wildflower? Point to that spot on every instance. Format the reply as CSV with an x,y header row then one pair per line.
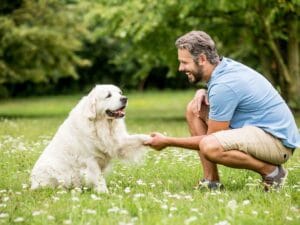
x,y
37,213
3,215
173,208
140,182
139,195
254,212
89,211
75,199
224,222
164,206
113,210
127,190
190,220
19,219
50,217
246,202
95,197
67,222
232,205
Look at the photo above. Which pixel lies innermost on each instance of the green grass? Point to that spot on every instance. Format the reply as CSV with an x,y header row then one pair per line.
x,y
159,191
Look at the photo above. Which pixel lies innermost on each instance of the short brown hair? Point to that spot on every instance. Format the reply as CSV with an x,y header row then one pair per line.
x,y
197,42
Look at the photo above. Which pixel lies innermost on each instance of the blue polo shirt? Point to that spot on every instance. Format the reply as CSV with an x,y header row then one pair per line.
x,y
244,97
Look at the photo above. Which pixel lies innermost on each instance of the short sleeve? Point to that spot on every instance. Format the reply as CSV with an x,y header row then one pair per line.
x,y
223,102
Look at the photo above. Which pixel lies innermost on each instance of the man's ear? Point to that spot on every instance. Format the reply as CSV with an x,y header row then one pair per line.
x,y
202,59
90,106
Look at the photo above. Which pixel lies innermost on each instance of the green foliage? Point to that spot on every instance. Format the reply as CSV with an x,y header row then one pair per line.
x,y
131,43
254,32
38,42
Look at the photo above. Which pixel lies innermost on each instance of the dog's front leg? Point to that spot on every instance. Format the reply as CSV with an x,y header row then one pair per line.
x,y
131,146
94,177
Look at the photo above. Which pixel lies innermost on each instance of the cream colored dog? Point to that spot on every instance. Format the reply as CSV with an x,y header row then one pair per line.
x,y
85,143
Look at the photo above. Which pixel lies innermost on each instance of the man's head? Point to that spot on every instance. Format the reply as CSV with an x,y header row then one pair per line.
x,y
197,55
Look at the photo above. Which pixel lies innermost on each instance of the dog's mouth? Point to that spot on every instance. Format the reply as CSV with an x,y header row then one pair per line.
x,y
119,113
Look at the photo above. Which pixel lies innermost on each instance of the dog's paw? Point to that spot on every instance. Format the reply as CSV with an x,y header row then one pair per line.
x,y
143,137
101,189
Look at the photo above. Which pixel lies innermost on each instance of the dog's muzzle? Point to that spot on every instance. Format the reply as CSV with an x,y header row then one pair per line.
x,y
118,113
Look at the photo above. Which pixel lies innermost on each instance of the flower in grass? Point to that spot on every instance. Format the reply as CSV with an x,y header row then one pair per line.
x,y
37,213
254,212
95,197
164,206
50,217
232,205
224,222
75,199
67,222
190,220
5,199
139,195
3,215
113,210
19,220
152,185
246,202
125,223
24,186
90,211
140,182
289,218
127,190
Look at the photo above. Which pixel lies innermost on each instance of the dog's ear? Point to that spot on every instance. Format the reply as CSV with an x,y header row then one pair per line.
x,y
90,106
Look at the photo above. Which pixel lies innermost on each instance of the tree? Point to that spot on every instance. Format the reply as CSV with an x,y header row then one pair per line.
x,y
261,33
39,40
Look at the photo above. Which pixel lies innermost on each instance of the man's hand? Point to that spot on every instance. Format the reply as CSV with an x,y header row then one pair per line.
x,y
157,141
199,99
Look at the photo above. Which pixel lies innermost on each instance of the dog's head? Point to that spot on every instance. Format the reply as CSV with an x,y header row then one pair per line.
x,y
106,101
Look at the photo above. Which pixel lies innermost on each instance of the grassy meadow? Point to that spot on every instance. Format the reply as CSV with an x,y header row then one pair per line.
x,y
157,191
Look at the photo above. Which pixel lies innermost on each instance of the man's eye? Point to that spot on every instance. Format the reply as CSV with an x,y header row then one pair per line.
x,y
108,95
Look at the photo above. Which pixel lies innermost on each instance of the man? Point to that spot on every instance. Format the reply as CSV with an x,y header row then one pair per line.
x,y
240,121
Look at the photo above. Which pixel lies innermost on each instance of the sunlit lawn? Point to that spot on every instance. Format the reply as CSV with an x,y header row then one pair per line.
x,y
159,191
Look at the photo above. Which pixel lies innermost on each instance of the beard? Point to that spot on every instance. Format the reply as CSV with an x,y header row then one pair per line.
x,y
195,76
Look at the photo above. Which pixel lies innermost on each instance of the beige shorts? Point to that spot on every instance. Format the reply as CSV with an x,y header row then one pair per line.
x,y
255,142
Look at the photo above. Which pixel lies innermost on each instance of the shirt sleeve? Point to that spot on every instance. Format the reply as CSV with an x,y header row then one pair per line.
x,y
223,102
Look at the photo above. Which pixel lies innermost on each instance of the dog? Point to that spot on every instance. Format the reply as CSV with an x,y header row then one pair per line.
x,y
83,146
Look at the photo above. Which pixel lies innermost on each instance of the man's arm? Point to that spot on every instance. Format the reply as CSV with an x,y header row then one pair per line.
x,y
160,141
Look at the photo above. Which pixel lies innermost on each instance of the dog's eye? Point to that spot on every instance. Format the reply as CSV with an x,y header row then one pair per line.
x,y
108,95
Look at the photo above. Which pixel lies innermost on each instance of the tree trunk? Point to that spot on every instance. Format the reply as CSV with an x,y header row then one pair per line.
x,y
293,63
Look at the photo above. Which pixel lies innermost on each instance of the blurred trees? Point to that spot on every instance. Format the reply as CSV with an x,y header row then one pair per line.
x,y
131,43
39,41
262,34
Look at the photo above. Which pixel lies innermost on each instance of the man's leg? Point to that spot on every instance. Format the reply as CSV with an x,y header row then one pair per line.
x,y
213,151
198,126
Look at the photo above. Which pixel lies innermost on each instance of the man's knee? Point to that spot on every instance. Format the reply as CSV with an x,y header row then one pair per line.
x,y
192,111
189,110
210,147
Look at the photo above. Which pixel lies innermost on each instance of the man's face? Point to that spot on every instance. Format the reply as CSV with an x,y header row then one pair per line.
x,y
187,65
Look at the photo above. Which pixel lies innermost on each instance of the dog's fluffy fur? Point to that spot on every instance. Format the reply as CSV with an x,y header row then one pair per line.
x,y
85,143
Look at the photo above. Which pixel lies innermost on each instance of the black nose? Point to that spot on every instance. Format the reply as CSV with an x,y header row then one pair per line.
x,y
124,100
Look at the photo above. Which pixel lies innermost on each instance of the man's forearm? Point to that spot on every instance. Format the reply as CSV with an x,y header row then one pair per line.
x,y
185,142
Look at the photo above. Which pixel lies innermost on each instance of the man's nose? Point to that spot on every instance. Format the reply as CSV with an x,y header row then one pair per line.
x,y
180,68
